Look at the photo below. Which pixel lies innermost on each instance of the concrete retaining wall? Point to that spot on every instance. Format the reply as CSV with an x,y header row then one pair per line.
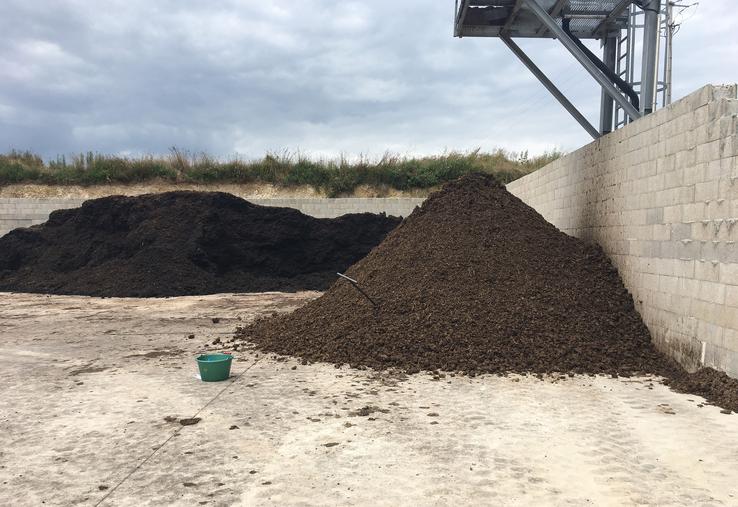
x,y
16,212
20,212
661,197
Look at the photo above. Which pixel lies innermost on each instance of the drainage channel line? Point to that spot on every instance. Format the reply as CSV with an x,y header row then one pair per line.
x,y
176,432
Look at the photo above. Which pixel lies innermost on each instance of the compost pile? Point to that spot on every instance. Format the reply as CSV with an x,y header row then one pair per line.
x,y
474,281
180,243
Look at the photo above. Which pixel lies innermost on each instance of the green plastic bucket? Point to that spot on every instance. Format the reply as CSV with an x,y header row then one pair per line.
x,y
214,367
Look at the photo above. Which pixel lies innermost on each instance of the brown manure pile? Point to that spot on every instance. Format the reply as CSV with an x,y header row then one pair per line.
x,y
475,281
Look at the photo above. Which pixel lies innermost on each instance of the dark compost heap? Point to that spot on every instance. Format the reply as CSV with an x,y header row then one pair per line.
x,y
476,281
180,243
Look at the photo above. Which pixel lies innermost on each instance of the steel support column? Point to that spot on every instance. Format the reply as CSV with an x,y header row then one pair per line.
x,y
550,86
669,52
571,46
607,106
651,10
460,17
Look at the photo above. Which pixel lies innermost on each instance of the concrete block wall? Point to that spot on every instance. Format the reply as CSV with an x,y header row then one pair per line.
x,y
22,212
16,212
661,197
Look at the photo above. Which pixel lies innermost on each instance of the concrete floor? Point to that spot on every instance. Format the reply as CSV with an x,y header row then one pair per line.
x,y
87,384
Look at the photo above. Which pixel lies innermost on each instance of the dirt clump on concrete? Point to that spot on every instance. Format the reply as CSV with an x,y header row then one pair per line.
x,y
183,243
473,281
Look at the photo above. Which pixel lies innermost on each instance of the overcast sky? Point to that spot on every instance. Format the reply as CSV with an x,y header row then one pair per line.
x,y
321,76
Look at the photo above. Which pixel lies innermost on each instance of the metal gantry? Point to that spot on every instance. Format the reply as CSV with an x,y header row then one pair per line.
x,y
627,62
621,26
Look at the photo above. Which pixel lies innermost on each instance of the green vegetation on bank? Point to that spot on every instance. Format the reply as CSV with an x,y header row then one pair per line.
x,y
332,176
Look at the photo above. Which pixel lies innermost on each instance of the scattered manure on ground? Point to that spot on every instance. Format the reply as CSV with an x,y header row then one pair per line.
x,y
183,243
88,368
367,410
476,281
157,354
715,386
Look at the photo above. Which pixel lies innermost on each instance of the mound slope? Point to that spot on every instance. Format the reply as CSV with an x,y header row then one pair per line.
x,y
476,281
473,281
180,243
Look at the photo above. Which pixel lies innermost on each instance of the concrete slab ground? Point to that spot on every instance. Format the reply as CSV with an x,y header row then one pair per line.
x,y
92,390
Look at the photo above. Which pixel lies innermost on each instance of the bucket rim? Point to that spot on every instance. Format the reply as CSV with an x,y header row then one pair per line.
x,y
216,358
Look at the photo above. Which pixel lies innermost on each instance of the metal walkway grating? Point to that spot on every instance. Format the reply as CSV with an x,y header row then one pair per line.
x,y
491,18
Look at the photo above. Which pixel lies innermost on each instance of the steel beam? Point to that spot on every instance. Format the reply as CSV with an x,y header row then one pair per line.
x,y
607,107
582,58
550,86
460,17
651,12
555,11
511,17
616,11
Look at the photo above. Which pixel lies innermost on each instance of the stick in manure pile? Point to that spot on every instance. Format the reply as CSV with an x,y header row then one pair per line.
x,y
356,286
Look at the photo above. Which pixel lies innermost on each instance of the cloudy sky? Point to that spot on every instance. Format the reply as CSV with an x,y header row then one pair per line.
x,y
321,76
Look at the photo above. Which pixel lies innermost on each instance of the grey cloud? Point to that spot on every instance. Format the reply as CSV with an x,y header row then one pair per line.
x,y
321,76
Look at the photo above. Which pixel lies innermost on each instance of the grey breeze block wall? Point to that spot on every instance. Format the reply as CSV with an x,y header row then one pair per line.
x,y
21,212
661,197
